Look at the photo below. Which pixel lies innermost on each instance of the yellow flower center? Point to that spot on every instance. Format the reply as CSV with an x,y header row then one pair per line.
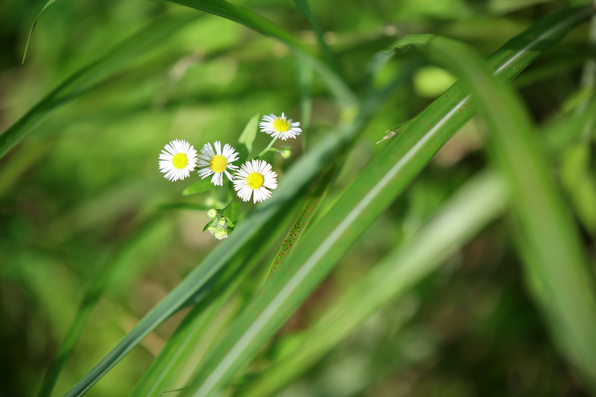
x,y
180,160
281,125
218,163
255,180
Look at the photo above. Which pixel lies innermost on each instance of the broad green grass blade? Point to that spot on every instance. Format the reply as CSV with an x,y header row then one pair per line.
x,y
90,299
302,221
326,52
336,85
576,174
163,371
247,138
477,203
579,182
49,3
553,241
382,180
90,75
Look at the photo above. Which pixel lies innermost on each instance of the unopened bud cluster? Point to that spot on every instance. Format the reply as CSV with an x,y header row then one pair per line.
x,y
220,227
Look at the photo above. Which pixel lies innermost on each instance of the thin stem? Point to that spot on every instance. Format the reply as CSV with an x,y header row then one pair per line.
x,y
227,205
267,148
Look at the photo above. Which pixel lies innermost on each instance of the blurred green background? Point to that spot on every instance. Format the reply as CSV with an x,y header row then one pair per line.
x,y
83,190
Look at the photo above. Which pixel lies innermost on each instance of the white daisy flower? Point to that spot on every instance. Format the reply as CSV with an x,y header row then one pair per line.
x,y
253,178
280,127
217,162
177,160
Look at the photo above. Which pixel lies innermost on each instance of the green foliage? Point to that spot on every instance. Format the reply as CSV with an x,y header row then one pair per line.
x,y
372,267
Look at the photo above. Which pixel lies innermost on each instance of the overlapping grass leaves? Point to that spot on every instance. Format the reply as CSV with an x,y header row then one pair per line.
x,y
477,203
360,204
340,90
550,236
402,159
93,73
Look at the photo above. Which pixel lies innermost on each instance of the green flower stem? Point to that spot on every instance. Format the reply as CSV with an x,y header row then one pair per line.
x,y
267,148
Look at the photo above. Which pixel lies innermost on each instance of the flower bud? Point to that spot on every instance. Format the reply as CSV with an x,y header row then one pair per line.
x,y
222,222
212,213
285,152
220,234
212,229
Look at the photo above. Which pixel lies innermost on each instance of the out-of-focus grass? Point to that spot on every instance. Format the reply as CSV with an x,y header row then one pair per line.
x,y
73,191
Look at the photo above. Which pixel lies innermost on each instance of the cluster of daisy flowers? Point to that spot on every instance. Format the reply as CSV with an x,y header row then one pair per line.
x,y
255,178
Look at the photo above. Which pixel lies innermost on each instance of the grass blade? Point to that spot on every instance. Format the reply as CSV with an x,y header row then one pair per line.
x,y
49,3
326,52
480,201
90,75
303,219
362,202
90,299
547,229
222,8
477,203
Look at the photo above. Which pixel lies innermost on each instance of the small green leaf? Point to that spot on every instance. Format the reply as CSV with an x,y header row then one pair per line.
x,y
247,138
229,223
201,186
206,226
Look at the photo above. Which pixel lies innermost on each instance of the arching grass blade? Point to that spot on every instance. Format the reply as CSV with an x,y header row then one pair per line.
x,y
93,73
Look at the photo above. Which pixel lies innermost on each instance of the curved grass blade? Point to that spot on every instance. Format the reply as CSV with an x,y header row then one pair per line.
x,y
476,204
326,52
33,28
88,76
552,241
222,8
90,299
363,201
